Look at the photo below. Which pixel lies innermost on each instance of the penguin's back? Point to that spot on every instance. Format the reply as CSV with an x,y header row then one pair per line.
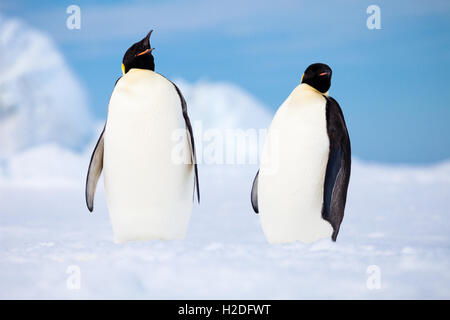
x,y
149,191
293,166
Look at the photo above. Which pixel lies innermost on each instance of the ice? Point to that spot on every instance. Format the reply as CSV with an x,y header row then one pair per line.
x,y
41,100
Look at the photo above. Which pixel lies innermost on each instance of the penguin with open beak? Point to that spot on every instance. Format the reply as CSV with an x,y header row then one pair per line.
x,y
149,194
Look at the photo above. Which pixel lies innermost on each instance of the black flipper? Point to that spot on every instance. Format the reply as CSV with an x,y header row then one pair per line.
x,y
254,194
95,168
191,135
94,171
337,174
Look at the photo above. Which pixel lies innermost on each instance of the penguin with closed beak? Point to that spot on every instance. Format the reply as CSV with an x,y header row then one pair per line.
x,y
149,193
300,189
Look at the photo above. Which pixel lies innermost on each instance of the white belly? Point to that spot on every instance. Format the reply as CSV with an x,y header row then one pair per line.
x,y
292,173
149,195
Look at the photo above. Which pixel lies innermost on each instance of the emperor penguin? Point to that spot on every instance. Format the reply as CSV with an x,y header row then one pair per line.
x,y
149,192
300,189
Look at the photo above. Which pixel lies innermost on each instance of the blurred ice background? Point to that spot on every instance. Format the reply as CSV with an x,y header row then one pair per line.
x,y
396,217
41,100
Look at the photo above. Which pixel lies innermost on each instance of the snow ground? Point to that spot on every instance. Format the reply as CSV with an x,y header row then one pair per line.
x,y
396,218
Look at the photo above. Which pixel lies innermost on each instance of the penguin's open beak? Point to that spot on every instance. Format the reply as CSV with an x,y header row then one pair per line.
x,y
146,40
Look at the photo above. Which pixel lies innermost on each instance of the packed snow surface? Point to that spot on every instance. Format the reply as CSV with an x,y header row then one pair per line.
x,y
396,219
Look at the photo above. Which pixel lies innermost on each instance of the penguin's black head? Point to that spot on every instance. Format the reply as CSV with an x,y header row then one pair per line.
x,y
318,76
139,55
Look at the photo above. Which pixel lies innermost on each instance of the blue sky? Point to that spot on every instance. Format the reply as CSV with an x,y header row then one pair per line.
x,y
391,83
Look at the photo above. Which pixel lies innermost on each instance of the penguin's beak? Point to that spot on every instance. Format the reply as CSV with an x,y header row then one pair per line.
x,y
149,34
146,40
323,74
